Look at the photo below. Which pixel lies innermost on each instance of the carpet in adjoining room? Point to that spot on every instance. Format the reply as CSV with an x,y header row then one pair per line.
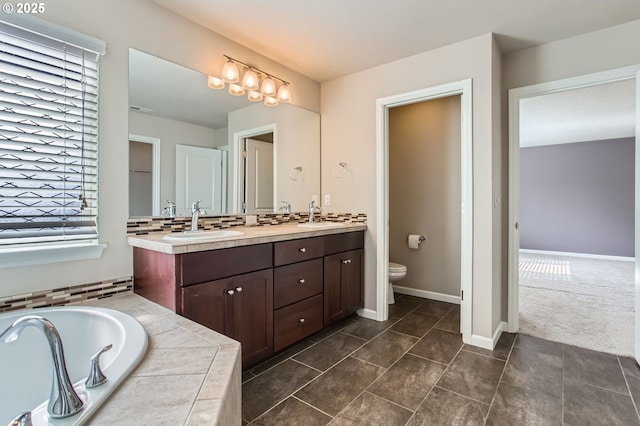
x,y
578,301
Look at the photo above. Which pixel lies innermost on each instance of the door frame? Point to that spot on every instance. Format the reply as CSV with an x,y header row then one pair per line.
x,y
515,95
155,169
236,162
464,89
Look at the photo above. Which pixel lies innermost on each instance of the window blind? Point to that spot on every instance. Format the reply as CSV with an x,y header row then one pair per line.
x,y
48,139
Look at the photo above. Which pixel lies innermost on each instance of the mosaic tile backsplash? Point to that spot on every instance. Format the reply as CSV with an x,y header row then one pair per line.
x,y
147,225
67,295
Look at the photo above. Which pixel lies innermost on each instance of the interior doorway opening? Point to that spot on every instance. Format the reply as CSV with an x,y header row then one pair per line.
x,y
558,250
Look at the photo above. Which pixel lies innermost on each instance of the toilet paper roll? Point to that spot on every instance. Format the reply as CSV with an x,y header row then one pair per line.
x,y
414,241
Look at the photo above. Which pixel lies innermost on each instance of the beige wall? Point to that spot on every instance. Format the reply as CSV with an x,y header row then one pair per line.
x,y
349,135
143,25
297,144
424,193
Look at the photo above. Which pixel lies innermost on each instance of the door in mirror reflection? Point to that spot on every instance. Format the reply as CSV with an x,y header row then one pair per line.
x,y
258,176
200,175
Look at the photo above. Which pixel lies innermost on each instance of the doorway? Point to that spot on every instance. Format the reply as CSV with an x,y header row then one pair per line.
x,y
257,166
540,264
144,175
463,89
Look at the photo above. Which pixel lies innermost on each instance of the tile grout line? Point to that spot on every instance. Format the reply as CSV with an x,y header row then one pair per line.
x,y
495,393
629,388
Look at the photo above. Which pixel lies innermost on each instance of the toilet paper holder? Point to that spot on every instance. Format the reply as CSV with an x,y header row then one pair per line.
x,y
415,240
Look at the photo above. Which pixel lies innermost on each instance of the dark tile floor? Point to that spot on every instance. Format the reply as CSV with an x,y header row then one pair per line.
x,y
414,370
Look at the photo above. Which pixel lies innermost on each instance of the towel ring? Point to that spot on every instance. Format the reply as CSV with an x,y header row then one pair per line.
x,y
294,174
339,170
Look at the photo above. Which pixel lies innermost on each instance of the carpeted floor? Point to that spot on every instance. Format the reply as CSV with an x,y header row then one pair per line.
x,y
578,301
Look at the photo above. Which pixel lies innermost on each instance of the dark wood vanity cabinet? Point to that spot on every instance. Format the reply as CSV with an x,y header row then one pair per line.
x,y
240,307
266,296
343,285
298,286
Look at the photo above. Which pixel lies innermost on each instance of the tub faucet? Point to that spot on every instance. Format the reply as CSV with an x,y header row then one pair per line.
x,y
313,209
196,211
63,400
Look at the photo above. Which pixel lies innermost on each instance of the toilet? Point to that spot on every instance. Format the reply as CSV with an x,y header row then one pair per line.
x,y
396,272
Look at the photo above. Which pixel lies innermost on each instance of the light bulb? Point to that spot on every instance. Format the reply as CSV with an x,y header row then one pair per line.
x,y
215,82
230,72
284,93
268,87
236,90
255,96
250,80
270,101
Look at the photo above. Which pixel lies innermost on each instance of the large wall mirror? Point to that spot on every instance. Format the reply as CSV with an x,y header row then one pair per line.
x,y
188,142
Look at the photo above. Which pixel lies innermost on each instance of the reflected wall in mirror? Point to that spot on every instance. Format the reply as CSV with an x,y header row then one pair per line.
x,y
190,142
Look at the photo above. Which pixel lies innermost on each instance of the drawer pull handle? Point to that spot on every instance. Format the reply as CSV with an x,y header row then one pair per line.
x,y
301,281
238,289
302,250
345,261
301,320
230,292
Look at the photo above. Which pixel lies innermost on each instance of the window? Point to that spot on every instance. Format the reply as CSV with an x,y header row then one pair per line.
x,y
48,138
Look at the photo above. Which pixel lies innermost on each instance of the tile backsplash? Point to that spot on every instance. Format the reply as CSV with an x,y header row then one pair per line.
x,y
147,225
67,295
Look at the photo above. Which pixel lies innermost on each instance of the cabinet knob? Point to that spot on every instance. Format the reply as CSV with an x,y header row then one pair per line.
x,y
301,320
238,289
301,281
230,292
302,250
345,261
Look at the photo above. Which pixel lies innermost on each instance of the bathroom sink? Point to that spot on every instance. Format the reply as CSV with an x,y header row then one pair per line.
x,y
202,235
321,224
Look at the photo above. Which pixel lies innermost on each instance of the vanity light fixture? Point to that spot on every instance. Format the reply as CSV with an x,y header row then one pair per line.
x,y
255,96
236,90
251,82
215,82
230,73
270,101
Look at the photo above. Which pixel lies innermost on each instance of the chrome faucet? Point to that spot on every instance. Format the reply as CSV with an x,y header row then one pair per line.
x,y
285,207
63,400
313,209
196,211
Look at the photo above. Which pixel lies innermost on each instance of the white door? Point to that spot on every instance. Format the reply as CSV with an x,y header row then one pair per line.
x,y
258,176
198,177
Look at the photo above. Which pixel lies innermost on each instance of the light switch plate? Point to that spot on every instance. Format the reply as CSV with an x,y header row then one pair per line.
x,y
327,199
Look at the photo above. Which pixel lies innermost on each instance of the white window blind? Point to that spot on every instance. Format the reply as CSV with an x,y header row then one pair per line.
x,y
48,139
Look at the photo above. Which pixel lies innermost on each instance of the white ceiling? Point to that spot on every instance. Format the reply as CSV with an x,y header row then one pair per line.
x,y
325,39
605,111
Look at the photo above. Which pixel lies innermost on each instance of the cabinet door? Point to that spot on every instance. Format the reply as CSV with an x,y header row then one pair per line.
x,y
252,312
205,304
343,285
353,280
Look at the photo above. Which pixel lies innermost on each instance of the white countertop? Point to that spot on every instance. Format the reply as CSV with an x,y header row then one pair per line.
x,y
251,235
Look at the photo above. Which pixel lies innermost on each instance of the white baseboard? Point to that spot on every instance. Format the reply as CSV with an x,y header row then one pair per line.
x,y
368,313
570,254
486,342
427,294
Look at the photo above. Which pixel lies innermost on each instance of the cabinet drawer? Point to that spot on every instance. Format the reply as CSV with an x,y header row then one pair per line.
x,y
337,243
297,321
293,283
212,265
286,252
